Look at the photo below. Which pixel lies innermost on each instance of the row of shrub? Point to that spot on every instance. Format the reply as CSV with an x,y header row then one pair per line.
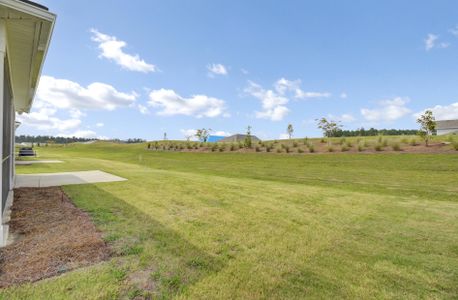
x,y
294,146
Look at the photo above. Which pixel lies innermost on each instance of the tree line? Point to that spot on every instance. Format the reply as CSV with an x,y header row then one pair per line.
x,y
47,139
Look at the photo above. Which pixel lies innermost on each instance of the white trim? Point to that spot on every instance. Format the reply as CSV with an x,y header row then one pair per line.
x,y
2,82
29,9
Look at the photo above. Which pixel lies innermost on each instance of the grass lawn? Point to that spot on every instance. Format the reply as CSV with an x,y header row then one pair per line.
x,y
254,226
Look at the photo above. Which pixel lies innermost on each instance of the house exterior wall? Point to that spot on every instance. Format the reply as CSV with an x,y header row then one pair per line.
x,y
447,131
6,136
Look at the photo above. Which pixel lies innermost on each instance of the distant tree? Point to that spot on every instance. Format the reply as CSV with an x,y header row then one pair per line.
x,y
290,130
165,136
427,126
248,139
203,134
329,127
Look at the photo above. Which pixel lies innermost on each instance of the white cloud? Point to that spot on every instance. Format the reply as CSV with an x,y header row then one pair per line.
x,y
303,95
443,112
454,30
88,134
216,69
221,133
345,118
431,42
189,134
388,110
112,49
273,104
274,101
66,94
198,106
100,124
244,71
143,109
343,95
283,136
283,85
44,119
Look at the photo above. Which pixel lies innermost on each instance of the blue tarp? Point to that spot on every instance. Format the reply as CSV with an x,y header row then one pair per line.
x,y
215,138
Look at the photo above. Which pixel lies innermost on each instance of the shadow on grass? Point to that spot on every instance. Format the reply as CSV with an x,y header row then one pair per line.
x,y
167,263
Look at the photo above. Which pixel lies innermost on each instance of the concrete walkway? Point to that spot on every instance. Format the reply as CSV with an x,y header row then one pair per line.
x,y
30,162
64,178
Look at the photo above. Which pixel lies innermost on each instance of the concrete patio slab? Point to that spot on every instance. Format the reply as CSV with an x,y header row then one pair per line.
x,y
30,162
64,178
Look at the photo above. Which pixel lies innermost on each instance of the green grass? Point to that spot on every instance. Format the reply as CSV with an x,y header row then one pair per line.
x,y
261,225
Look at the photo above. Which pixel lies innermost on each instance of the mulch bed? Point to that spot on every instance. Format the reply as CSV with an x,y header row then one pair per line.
x,y
53,236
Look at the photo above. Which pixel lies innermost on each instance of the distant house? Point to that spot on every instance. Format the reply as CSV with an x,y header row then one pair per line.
x,y
447,127
215,138
238,138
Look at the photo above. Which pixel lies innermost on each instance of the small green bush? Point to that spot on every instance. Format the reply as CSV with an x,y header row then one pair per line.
x,y
306,140
311,148
330,148
413,142
360,147
278,150
257,149
396,146
295,144
349,144
455,145
404,141
378,147
344,148
287,149
366,144
341,141
385,143
299,150
322,141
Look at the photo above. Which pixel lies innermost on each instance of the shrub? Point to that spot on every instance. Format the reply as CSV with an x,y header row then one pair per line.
x,y
287,149
283,146
268,149
380,139
378,147
404,141
214,147
349,144
360,147
322,141
295,144
341,141
299,150
258,149
396,146
330,148
311,148
344,148
278,150
306,140
385,143
455,145
366,144
413,142
221,149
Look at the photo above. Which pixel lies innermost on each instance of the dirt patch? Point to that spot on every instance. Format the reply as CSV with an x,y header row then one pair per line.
x,y
53,236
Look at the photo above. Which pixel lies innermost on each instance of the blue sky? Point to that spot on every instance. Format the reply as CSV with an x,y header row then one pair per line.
x,y
120,69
